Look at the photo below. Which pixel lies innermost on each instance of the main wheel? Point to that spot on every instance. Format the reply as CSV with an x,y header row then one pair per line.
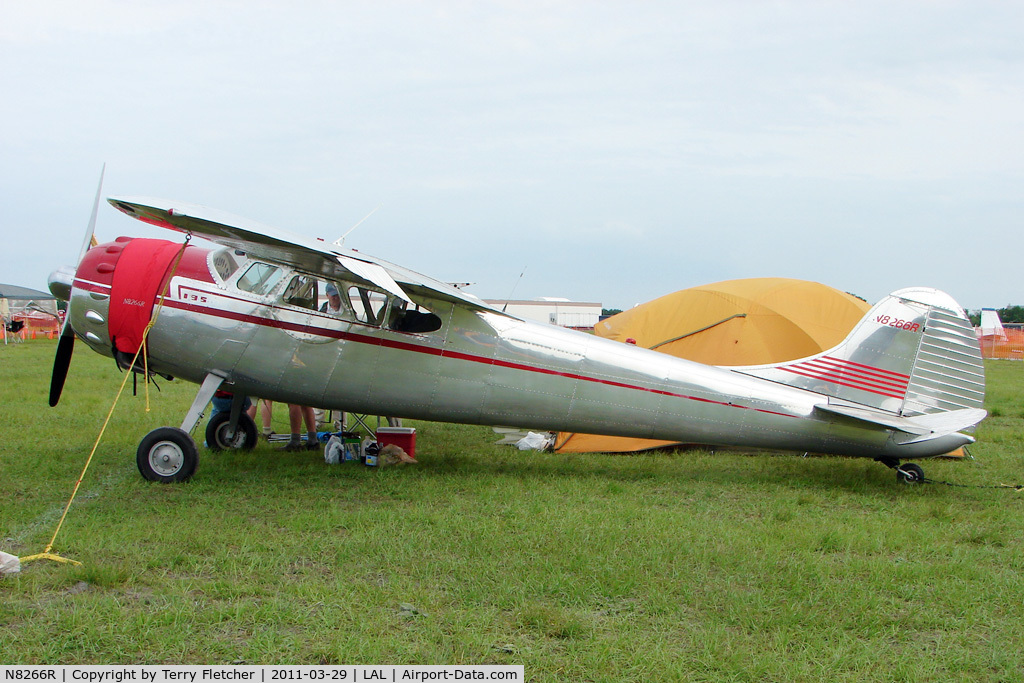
x,y
219,436
909,473
167,455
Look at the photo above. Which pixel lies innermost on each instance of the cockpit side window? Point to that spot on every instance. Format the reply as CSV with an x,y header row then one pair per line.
x,y
302,292
260,278
225,263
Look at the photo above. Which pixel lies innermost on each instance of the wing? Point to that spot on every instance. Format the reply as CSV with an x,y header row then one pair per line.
x,y
280,246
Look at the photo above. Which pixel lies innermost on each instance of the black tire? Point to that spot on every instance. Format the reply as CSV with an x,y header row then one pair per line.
x,y
245,435
167,455
909,473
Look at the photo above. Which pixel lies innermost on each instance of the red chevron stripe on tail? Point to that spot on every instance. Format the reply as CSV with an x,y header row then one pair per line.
x,y
854,375
914,353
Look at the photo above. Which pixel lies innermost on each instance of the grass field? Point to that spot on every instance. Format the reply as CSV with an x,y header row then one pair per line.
x,y
665,566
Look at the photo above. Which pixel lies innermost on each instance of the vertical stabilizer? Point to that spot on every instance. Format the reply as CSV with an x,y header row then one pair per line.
x,y
914,353
991,325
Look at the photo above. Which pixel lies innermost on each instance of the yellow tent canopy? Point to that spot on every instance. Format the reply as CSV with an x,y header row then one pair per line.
x,y
736,322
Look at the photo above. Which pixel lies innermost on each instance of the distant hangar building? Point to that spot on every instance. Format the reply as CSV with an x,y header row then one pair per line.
x,y
573,314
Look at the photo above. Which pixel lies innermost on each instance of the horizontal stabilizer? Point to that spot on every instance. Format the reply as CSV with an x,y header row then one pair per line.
x,y
924,427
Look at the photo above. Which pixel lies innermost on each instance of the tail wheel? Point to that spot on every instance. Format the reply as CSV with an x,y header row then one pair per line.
x,y
220,438
909,473
167,455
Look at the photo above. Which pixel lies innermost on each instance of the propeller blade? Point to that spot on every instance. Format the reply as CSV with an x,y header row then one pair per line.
x,y
92,219
61,362
66,343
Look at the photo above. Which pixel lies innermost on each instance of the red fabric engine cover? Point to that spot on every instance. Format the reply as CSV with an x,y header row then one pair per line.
x,y
141,269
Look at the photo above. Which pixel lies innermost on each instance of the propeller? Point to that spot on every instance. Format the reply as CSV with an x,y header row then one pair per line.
x,y
66,343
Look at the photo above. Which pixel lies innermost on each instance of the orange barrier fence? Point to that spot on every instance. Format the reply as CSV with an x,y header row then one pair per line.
x,y
38,324
31,326
1010,347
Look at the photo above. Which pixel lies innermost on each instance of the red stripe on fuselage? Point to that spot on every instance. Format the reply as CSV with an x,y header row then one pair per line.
x,y
417,348
89,286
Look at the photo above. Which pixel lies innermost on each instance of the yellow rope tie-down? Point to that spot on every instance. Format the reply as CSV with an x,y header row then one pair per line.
x,y
46,554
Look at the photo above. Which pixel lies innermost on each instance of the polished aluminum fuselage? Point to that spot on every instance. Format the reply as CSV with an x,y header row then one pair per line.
x,y
483,368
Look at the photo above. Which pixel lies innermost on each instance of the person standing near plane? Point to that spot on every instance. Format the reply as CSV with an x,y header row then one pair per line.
x,y
266,413
296,415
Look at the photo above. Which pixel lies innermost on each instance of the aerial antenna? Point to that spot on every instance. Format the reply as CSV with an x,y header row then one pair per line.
x,y
341,240
520,279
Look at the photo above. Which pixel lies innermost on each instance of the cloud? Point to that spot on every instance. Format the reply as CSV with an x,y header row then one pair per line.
x,y
694,129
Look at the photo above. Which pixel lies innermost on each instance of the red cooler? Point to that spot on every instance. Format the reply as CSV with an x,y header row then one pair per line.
x,y
403,437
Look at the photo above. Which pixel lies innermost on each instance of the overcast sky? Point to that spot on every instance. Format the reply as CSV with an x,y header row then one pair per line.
x,y
599,151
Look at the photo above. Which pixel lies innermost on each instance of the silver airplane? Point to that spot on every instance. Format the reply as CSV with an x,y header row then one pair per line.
x,y
276,315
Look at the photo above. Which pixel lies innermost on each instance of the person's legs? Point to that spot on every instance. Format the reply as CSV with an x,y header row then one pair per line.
x,y
265,414
295,425
311,441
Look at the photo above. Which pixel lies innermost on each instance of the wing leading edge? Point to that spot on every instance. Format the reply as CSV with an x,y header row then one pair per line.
x,y
280,246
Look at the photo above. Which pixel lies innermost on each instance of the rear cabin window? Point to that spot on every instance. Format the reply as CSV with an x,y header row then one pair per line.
x,y
369,306
415,319
375,308
260,278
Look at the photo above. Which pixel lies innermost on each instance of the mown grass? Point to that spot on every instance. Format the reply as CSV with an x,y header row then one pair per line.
x,y
662,566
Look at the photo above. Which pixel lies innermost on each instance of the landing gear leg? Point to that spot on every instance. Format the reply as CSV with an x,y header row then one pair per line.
x,y
210,385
